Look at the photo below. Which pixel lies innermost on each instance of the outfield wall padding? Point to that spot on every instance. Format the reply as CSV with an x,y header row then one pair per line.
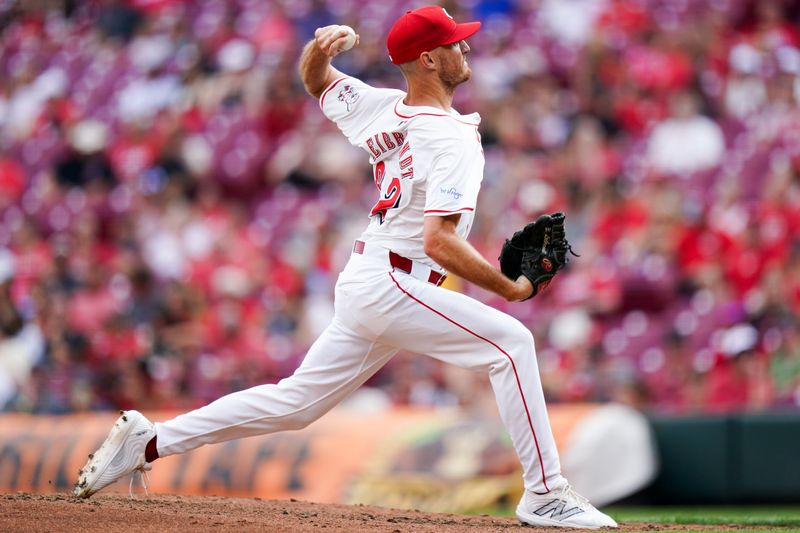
x,y
438,460
727,459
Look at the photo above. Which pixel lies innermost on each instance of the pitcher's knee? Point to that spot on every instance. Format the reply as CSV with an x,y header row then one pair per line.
x,y
519,335
297,408
517,340
301,418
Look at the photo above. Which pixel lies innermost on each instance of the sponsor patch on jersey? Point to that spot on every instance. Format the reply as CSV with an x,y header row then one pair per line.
x,y
452,191
348,95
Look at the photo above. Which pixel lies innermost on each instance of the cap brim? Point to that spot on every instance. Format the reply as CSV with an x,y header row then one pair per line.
x,y
463,31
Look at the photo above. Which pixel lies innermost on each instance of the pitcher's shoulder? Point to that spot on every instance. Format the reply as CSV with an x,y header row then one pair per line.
x,y
440,130
349,93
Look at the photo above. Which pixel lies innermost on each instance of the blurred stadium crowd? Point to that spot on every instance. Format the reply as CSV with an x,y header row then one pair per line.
x,y
174,208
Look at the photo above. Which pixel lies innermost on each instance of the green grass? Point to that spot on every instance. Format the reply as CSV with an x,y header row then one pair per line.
x,y
782,518
779,516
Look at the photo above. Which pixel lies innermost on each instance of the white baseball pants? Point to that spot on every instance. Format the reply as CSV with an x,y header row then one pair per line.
x,y
378,311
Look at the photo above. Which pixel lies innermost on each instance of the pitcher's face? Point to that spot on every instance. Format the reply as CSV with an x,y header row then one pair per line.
x,y
454,69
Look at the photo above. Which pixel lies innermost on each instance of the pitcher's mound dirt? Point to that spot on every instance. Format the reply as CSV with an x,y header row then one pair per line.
x,y
103,513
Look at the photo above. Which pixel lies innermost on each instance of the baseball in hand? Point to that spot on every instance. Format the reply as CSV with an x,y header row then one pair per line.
x,y
349,39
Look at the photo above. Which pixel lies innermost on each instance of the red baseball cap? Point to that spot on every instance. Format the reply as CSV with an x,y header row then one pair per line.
x,y
424,29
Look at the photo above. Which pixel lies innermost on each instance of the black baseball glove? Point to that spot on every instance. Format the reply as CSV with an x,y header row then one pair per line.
x,y
537,251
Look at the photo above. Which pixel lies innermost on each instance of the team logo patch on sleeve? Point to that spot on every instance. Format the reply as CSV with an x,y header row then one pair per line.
x,y
348,95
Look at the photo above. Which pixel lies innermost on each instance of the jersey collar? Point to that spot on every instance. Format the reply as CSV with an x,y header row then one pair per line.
x,y
408,111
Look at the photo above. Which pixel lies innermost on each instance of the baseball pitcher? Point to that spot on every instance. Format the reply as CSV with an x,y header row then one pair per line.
x,y
427,168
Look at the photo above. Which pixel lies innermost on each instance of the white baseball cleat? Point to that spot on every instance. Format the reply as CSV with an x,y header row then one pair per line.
x,y
561,507
122,453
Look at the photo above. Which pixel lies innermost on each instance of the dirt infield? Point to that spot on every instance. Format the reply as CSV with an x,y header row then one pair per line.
x,y
104,513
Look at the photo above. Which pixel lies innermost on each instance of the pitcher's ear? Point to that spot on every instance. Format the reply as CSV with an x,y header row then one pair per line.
x,y
427,60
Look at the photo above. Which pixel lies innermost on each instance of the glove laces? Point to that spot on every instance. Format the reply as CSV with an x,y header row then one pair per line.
x,y
565,246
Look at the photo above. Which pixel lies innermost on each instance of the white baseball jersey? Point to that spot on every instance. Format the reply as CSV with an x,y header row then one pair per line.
x,y
426,162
